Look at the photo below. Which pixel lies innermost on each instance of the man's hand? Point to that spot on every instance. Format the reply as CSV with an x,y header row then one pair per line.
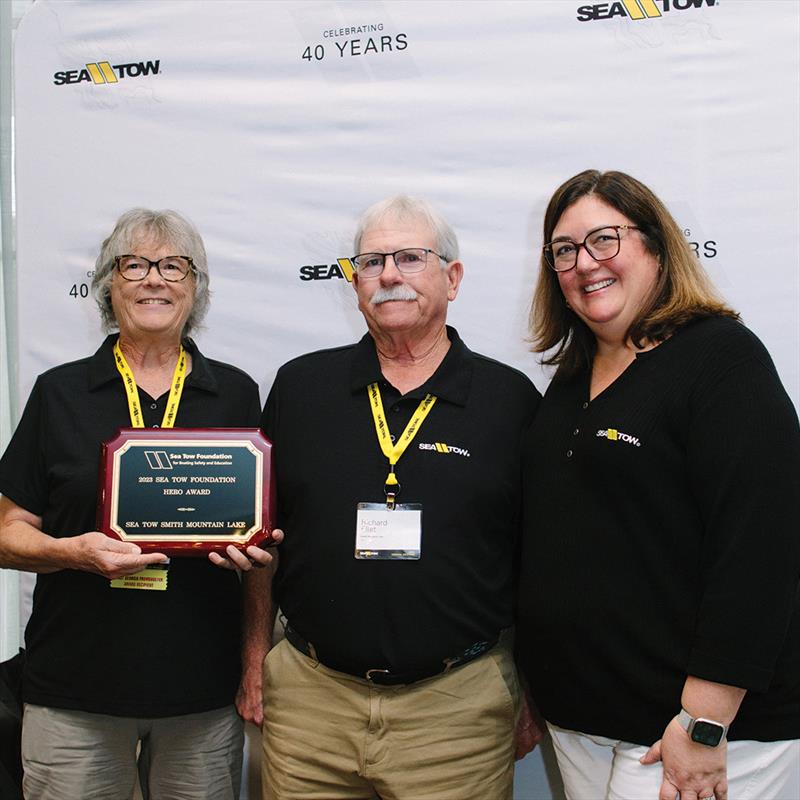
x,y
693,770
251,557
257,623
249,702
529,731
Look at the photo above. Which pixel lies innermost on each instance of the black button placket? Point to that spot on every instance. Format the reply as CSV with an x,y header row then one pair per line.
x,y
577,429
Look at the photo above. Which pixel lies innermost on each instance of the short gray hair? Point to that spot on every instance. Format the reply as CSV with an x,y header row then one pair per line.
x,y
169,228
405,208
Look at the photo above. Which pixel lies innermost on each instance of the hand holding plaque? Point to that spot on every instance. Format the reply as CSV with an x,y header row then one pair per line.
x,y
187,491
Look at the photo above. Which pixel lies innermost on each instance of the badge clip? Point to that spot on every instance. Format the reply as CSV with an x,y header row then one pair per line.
x,y
391,489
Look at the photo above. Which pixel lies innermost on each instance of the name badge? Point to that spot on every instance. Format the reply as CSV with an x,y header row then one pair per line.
x,y
389,534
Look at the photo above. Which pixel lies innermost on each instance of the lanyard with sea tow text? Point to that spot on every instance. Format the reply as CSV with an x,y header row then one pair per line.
x,y
394,451
131,390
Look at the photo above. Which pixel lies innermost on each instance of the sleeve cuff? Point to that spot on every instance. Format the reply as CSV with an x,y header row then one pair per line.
x,y
753,677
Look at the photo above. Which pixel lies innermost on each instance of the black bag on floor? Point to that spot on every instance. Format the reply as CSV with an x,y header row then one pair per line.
x,y
11,727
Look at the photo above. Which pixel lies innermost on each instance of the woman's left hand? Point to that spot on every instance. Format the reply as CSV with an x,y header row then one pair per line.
x,y
693,770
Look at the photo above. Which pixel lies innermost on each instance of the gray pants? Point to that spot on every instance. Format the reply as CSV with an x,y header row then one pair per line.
x,y
74,755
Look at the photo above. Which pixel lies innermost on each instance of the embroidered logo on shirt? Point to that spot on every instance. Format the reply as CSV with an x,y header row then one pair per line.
x,y
441,447
613,435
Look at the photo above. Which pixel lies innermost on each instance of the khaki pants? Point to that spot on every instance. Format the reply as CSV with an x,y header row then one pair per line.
x,y
328,735
74,755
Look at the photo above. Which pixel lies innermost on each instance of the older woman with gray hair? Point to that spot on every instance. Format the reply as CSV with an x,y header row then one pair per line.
x,y
113,670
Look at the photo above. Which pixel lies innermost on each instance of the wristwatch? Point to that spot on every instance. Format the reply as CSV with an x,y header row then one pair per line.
x,y
701,730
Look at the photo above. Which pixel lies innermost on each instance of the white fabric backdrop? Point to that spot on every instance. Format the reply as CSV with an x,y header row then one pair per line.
x,y
485,111
481,107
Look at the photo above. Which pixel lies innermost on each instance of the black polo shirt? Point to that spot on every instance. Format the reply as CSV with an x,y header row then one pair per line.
x,y
397,615
116,651
661,540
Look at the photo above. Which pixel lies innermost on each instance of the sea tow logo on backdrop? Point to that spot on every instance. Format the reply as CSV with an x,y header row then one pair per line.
x,y
355,40
638,9
613,435
103,72
342,269
441,447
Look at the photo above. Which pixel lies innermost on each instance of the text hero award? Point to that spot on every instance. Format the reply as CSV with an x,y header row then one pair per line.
x,y
187,491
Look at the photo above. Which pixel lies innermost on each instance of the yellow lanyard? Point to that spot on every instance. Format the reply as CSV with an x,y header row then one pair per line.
x,y
394,451
132,391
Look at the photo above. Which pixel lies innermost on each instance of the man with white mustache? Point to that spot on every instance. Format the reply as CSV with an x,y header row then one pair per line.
x,y
401,292
398,475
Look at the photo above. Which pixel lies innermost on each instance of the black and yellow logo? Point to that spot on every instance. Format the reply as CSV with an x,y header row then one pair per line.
x,y
446,449
102,72
613,435
638,9
342,269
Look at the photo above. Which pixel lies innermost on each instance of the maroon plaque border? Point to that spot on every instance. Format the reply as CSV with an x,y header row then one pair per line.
x,y
187,545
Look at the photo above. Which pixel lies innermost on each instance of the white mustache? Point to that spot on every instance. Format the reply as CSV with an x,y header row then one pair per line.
x,y
386,293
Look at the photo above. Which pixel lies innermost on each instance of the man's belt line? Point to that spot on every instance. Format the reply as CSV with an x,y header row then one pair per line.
x,y
383,677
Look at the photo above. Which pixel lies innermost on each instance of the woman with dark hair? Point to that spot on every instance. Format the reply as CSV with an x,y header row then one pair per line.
x,y
119,680
659,612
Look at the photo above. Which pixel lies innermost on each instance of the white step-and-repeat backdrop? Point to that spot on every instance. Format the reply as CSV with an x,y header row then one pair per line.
x,y
273,124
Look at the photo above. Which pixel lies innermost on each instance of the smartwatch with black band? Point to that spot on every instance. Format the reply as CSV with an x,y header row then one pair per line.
x,y
701,730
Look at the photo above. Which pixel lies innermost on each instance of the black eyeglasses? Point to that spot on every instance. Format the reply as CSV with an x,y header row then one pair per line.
x,y
170,268
601,244
410,259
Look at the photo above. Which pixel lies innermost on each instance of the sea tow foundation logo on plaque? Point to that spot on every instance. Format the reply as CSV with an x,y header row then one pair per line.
x,y
342,269
158,459
638,9
103,72
354,41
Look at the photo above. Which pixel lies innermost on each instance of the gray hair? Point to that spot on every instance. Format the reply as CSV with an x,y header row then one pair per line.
x,y
407,208
140,225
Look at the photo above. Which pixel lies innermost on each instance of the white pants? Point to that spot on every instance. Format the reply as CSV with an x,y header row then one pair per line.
x,y
596,768
75,755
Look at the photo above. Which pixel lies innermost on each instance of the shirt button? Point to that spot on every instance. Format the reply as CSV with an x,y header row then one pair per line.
x,y
585,405
154,405
395,408
156,426
569,453
576,431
